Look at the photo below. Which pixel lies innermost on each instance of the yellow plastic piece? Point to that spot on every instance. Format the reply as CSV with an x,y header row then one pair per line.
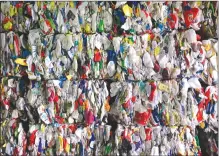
x,y
21,61
157,51
61,4
67,148
163,87
210,70
198,4
71,4
43,128
52,5
149,37
176,116
11,46
148,48
4,123
17,69
137,14
80,46
202,125
87,28
38,3
12,11
126,40
118,76
69,77
130,42
127,10
165,20
207,47
7,26
60,143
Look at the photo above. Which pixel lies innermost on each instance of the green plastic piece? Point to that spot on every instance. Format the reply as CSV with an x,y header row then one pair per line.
x,y
101,26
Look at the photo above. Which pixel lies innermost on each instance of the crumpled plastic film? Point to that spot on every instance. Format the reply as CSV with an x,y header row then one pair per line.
x,y
108,78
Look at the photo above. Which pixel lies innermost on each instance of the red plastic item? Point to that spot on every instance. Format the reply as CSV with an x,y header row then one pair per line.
x,y
33,67
199,114
15,152
153,89
126,104
156,67
56,98
73,128
130,71
97,57
29,10
76,105
190,15
33,137
50,27
17,46
64,143
52,95
81,101
207,94
59,119
43,54
6,102
146,14
19,5
89,117
198,37
14,125
133,98
148,132
152,36
172,19
142,118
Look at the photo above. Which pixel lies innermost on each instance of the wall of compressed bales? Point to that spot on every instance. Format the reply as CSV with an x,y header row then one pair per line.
x,y
109,78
